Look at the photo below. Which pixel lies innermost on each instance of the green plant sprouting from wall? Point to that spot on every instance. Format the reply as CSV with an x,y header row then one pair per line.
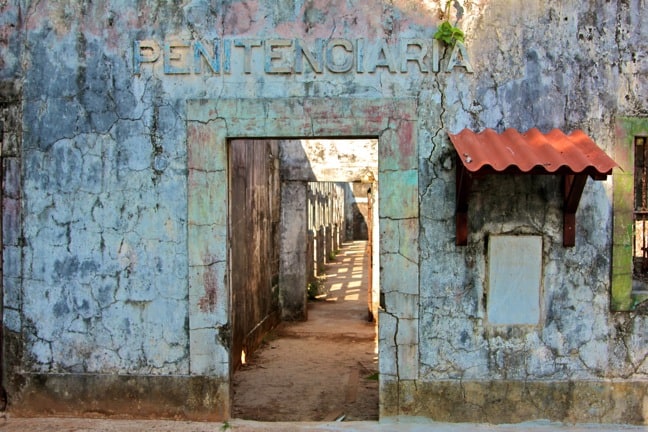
x,y
313,290
332,255
448,33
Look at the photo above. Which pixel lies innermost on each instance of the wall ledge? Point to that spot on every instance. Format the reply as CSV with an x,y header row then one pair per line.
x,y
511,401
197,398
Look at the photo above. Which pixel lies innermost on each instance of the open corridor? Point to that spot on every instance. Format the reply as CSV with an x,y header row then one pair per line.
x,y
322,369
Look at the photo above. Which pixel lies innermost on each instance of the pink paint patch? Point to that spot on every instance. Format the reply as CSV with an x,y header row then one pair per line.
x,y
405,142
242,18
201,134
374,114
207,303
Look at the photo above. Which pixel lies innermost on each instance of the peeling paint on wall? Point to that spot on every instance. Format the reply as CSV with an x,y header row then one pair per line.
x,y
114,266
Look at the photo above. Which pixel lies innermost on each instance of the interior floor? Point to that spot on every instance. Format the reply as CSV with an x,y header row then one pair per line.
x,y
322,369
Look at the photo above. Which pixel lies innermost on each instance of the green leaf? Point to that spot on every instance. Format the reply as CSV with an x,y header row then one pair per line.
x,y
458,35
449,34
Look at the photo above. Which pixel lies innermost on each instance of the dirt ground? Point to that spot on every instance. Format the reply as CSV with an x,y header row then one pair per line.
x,y
323,369
394,425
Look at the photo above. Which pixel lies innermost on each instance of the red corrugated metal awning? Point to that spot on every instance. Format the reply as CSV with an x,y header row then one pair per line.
x,y
575,156
532,152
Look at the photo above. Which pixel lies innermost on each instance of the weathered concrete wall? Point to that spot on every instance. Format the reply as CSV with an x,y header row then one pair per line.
x,y
123,216
581,76
11,40
326,160
10,143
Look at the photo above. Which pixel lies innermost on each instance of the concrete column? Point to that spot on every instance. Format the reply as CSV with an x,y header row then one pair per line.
x,y
320,208
349,201
336,244
328,242
320,249
310,256
293,248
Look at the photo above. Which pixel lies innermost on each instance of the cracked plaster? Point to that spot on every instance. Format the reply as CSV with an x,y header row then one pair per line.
x,y
96,272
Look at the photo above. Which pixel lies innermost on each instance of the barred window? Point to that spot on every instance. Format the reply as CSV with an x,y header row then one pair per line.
x,y
629,281
640,217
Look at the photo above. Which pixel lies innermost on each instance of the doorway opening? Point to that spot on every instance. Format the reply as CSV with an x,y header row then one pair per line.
x,y
211,124
304,279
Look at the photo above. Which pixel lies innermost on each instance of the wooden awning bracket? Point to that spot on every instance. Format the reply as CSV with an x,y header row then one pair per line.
x,y
464,184
573,186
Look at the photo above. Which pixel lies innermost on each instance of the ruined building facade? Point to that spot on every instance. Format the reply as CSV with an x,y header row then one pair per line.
x,y
119,121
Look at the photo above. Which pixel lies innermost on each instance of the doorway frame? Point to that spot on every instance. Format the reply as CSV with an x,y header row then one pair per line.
x,y
394,122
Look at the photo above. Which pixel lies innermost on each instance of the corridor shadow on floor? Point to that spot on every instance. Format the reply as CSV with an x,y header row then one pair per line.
x,y
322,369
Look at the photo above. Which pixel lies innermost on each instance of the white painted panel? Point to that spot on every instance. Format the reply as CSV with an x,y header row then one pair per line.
x,y
514,280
